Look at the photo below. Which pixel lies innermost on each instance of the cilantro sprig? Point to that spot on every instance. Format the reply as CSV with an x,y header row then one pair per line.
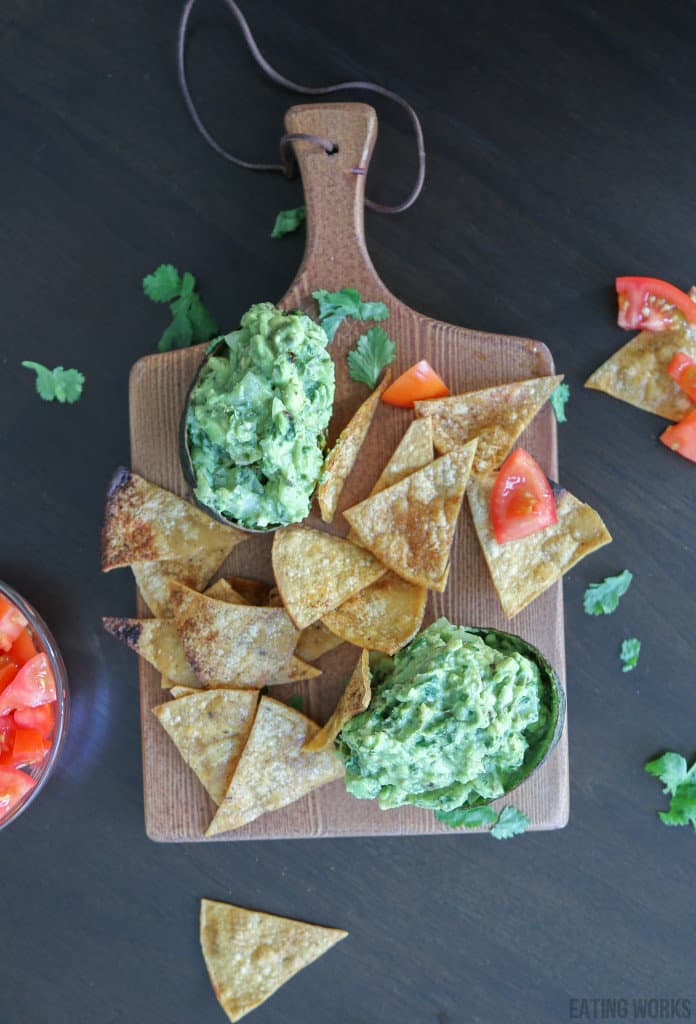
x,y
334,307
191,322
296,702
372,353
603,598
630,652
558,399
680,784
510,822
57,384
288,221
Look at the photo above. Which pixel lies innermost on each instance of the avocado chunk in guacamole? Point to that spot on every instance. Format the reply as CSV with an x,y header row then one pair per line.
x,y
257,419
451,718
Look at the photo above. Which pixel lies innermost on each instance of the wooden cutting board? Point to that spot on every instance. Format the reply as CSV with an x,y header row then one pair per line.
x,y
176,805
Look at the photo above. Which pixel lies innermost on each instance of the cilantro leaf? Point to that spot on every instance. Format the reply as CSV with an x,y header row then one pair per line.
x,y
163,285
630,651
179,334
468,817
296,702
288,221
680,784
603,598
682,806
511,822
60,384
191,321
203,323
373,352
558,399
670,769
334,307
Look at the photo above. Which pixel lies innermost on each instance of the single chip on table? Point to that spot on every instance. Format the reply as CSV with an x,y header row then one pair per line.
x,y
250,955
382,617
341,459
210,730
410,525
157,641
317,572
273,772
354,699
523,569
637,373
497,416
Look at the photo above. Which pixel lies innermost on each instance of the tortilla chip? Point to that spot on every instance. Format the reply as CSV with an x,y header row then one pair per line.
x,y
274,600
250,955
341,459
221,590
410,525
316,572
273,772
178,691
523,569
316,640
210,731
155,579
145,523
254,592
497,416
637,373
157,641
382,617
354,699
232,644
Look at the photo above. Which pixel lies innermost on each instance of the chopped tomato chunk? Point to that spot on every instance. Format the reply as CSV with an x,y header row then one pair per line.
x,y
649,304
680,438
14,785
522,501
417,383
8,670
29,747
7,731
12,622
33,685
42,718
682,369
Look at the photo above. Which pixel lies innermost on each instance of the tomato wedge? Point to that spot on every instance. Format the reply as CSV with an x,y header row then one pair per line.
x,y
42,719
8,670
649,304
417,383
28,748
33,685
7,731
12,622
522,501
14,786
23,648
680,438
682,369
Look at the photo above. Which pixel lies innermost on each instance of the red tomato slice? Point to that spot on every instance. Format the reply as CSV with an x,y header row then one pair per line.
x,y
28,748
33,685
682,369
417,383
8,670
14,785
42,718
522,501
648,304
7,731
23,649
12,622
680,437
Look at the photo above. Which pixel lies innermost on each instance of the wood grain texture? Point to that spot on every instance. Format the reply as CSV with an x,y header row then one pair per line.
x,y
176,805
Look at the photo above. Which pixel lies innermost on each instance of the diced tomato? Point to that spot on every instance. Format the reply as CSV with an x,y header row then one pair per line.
x,y
522,501
33,685
28,748
417,383
648,304
23,649
682,369
8,670
42,718
680,437
12,622
7,731
14,785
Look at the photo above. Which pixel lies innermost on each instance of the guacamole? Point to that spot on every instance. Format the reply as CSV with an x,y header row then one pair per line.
x,y
451,718
257,419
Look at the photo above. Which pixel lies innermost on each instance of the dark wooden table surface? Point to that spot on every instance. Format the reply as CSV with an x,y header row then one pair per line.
x,y
561,152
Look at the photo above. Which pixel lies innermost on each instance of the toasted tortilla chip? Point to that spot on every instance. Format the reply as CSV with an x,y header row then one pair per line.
x,y
221,590
316,640
497,416
410,525
316,572
341,459
232,644
273,771
249,955
178,691
157,641
637,373
155,579
354,699
254,592
382,617
210,730
145,523
274,600
523,569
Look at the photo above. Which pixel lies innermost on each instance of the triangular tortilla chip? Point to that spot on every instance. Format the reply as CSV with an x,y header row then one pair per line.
x,y
523,569
253,591
179,691
497,416
145,523
354,699
410,525
341,459
249,955
316,572
210,731
232,644
273,771
637,373
155,579
157,641
382,617
316,640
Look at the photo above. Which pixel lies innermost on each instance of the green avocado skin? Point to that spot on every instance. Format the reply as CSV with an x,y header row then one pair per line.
x,y
257,419
454,719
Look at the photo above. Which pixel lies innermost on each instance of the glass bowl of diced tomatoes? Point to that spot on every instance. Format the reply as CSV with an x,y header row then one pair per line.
x,y
34,704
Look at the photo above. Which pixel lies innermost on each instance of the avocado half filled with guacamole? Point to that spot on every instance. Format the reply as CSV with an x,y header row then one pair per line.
x,y
457,718
255,422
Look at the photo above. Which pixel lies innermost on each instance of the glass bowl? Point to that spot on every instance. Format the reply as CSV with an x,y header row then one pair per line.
x,y
46,644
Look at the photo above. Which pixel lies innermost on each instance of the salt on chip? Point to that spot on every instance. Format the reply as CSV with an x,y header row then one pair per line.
x,y
210,730
497,416
410,525
273,772
341,459
317,572
157,641
250,955
523,569
354,699
637,373
316,640
382,617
